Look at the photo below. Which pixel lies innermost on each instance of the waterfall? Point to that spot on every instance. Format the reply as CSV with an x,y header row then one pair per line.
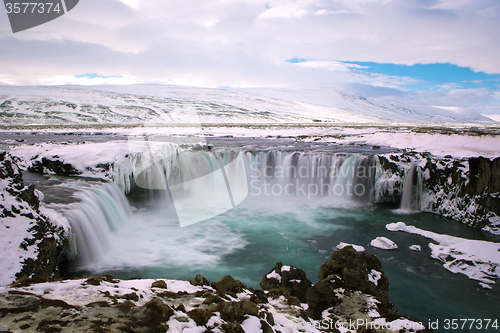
x,y
199,185
223,178
317,175
102,211
412,189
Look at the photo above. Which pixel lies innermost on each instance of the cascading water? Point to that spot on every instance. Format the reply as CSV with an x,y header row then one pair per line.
x,y
412,189
337,178
247,241
340,177
102,211
211,183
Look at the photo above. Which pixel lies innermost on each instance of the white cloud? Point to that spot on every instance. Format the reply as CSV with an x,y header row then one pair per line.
x,y
246,42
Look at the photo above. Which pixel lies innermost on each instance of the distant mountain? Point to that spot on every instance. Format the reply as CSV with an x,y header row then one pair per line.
x,y
160,104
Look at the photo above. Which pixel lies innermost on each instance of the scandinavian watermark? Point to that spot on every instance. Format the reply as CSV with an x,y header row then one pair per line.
x,y
310,181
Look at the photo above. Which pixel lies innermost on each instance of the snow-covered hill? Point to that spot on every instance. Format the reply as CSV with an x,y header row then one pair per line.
x,y
160,104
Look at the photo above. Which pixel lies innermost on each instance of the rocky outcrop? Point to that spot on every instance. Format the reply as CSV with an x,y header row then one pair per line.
x,y
288,281
45,165
466,190
349,271
44,241
352,294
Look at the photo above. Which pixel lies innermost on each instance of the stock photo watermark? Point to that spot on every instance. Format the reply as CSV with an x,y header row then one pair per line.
x,y
310,180
24,15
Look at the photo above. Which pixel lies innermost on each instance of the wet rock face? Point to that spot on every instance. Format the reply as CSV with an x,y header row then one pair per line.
x,y
56,166
348,271
288,280
47,238
465,190
353,269
484,181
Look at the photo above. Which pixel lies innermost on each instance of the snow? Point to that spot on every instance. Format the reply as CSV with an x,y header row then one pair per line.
x,y
485,286
456,145
83,157
13,232
274,275
383,243
55,217
416,248
78,293
251,325
358,248
162,104
479,260
371,303
374,276
285,268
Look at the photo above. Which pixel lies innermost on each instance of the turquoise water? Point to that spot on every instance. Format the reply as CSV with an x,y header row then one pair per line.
x,y
246,242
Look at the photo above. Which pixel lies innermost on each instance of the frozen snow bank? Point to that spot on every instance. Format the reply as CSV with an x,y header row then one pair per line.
x,y
358,248
88,159
416,248
383,243
479,260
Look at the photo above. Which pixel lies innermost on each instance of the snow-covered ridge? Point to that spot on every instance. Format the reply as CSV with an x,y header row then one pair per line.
x,y
27,227
227,305
170,105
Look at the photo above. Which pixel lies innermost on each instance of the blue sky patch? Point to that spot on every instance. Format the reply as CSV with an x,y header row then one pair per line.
x,y
95,75
296,60
433,76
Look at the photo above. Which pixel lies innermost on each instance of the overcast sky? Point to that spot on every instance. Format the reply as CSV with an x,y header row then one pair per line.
x,y
371,46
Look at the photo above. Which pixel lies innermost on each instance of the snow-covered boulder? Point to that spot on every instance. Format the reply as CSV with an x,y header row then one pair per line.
x,y
383,243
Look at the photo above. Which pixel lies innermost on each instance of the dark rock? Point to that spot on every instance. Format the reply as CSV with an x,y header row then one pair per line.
x,y
250,308
159,311
100,304
349,270
320,297
259,297
56,166
108,278
199,280
130,297
231,311
228,283
264,326
268,317
352,269
159,284
292,300
95,281
200,316
127,305
232,328
276,292
292,281
212,299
